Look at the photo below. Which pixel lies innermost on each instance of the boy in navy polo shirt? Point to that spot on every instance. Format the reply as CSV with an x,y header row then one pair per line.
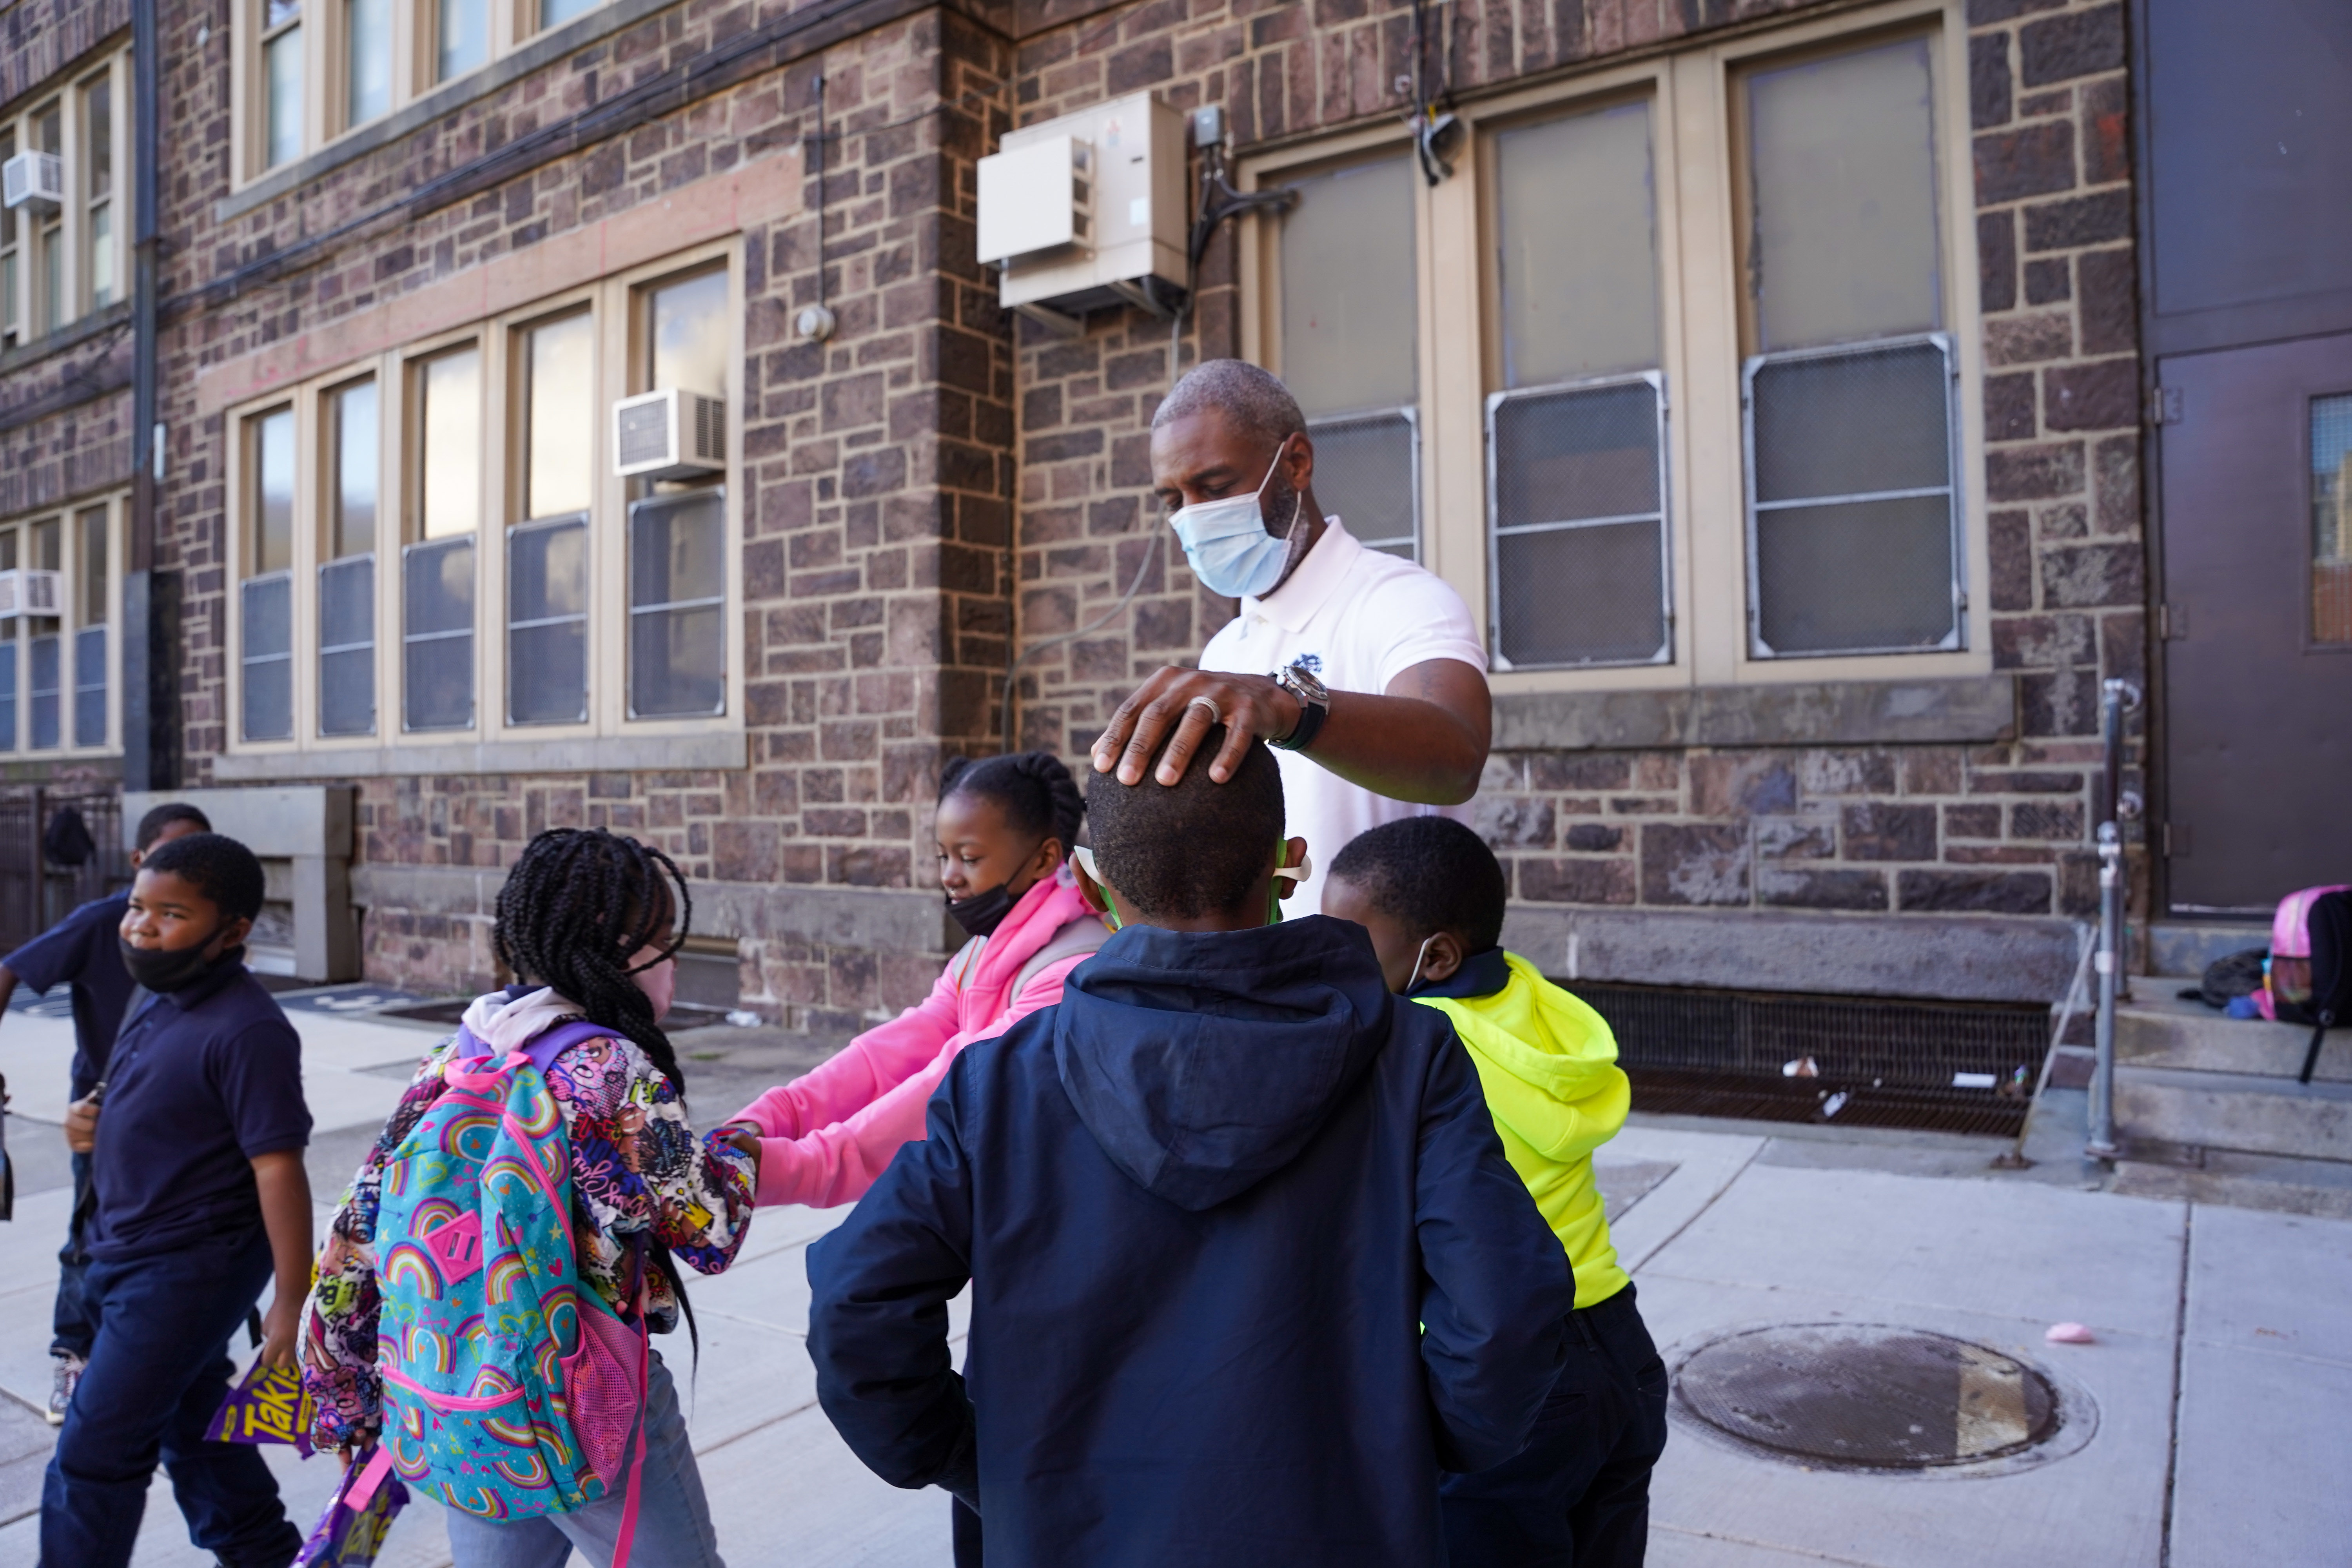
x,y
201,1200
85,950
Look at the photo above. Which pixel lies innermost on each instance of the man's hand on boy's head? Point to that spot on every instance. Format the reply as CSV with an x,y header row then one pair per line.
x,y
82,1125
1189,701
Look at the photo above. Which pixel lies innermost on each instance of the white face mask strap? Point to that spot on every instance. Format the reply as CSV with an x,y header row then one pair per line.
x,y
1414,978
1274,468
1294,875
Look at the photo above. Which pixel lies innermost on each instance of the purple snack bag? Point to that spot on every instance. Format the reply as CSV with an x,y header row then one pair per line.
x,y
352,1531
268,1406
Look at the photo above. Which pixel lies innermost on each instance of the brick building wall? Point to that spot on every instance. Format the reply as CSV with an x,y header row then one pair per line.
x,y
1965,831
65,398
930,480
876,466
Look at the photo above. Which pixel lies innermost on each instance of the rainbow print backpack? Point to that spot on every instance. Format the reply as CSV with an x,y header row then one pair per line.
x,y
511,1389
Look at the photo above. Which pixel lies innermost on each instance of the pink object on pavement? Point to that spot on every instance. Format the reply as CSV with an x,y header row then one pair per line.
x,y
2070,1334
827,1136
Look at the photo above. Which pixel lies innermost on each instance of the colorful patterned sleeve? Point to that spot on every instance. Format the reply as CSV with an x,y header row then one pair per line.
x,y
637,1167
339,1322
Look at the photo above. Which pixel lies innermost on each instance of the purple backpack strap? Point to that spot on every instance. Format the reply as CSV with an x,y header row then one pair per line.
x,y
551,1044
548,1044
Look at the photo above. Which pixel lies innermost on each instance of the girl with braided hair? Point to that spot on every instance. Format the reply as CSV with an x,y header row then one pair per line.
x,y
1005,827
590,923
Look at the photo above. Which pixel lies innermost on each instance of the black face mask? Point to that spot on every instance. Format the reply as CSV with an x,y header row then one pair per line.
x,y
981,913
166,969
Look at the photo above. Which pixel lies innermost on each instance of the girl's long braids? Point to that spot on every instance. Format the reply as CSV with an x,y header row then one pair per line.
x,y
578,904
1034,791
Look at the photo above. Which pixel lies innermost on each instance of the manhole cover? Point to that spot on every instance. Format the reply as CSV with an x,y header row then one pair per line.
x,y
1869,1396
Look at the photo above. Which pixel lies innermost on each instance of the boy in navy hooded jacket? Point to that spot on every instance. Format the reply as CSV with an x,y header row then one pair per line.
x,y
1249,1267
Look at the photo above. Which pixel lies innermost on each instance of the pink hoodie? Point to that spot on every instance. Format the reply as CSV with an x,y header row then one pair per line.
x,y
826,1136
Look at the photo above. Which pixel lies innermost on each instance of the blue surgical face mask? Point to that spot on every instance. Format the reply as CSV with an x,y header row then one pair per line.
x,y
1227,543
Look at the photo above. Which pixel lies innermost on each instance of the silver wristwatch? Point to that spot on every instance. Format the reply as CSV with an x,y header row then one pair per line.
x,y
1313,705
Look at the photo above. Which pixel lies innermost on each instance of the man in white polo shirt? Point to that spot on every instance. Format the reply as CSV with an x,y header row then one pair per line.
x,y
1364,672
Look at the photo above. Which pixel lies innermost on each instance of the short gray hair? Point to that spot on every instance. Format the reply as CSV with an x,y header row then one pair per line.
x,y
1256,403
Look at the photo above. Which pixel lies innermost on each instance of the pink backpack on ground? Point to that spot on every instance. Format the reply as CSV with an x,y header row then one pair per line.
x,y
2308,978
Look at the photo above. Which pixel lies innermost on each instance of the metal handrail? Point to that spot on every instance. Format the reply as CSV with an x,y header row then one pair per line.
x,y
2117,806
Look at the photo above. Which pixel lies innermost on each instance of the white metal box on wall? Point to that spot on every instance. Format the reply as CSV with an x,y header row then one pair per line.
x,y
1085,211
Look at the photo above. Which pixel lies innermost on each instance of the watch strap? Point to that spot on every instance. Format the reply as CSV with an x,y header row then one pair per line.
x,y
1311,715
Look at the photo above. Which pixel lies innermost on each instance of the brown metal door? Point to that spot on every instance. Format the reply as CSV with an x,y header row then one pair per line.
x,y
2257,527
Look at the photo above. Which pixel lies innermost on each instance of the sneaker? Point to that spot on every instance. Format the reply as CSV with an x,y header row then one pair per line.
x,y
65,1371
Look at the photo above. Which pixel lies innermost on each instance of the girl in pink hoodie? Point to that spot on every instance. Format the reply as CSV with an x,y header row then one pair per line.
x,y
1005,826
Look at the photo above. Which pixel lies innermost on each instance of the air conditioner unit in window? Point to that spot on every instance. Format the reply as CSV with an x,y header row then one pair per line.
x,y
26,591
669,434
34,181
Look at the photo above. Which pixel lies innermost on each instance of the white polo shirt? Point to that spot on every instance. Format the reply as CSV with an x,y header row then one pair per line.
x,y
1357,618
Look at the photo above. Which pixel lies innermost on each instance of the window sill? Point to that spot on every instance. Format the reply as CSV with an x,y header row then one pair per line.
x,y
1820,714
590,754
72,332
437,103
59,767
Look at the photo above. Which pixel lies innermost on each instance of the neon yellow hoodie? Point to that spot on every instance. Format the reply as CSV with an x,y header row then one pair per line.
x,y
1548,1064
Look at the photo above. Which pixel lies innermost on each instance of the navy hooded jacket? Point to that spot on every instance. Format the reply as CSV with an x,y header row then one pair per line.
x,y
1207,1205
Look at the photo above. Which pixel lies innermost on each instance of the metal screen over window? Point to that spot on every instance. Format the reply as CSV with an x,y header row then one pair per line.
x,y
1577,493
347,646
2331,519
90,687
1577,553
547,622
437,641
1853,538
43,693
347,577
437,572
1367,471
8,693
98,155
267,654
678,598
268,657
1854,543
95,592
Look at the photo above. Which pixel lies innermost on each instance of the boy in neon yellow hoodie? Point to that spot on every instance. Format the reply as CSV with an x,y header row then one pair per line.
x,y
1431,893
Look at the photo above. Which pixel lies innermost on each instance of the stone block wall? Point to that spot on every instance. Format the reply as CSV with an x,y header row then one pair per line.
x,y
877,464
1995,829
64,399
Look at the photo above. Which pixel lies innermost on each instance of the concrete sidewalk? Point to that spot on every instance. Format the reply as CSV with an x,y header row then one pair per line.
x,y
2219,1396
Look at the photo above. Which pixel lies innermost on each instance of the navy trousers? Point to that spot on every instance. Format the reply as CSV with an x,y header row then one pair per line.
x,y
1578,1495
159,1369
70,1330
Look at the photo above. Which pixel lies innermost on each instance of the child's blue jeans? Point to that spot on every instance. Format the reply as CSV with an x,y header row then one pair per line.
x,y
673,1516
159,1369
71,1331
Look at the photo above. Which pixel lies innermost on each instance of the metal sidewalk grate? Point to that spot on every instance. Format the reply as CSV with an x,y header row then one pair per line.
x,y
1881,1062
